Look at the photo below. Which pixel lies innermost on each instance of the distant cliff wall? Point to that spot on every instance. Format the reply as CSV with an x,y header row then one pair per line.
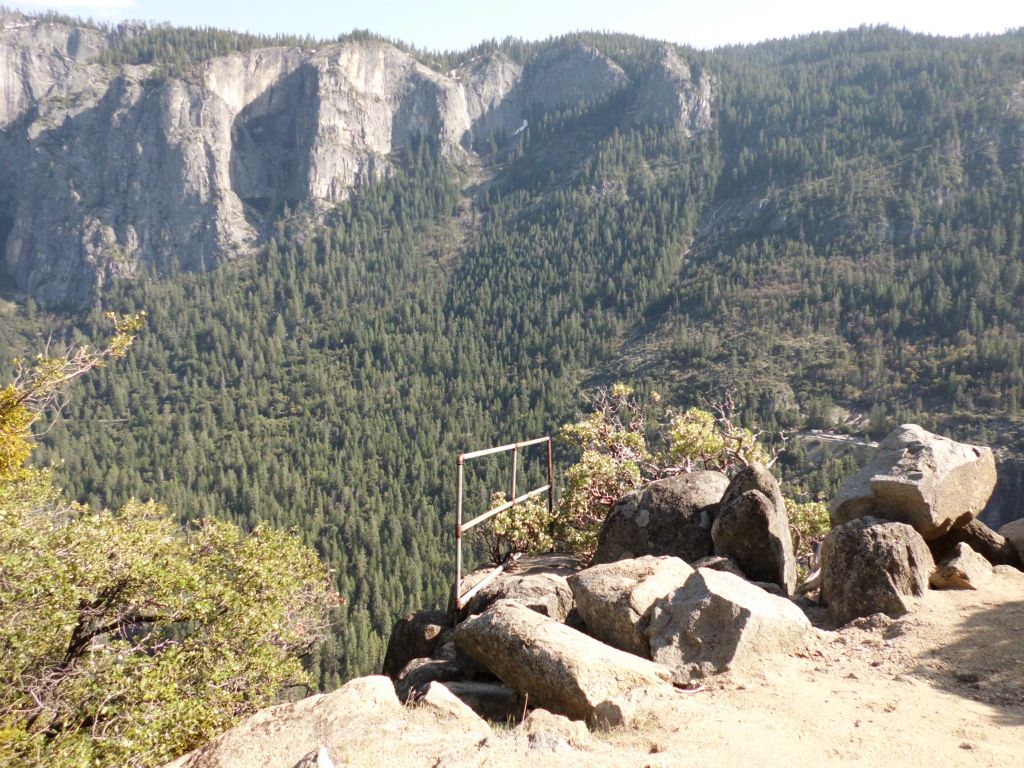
x,y
108,168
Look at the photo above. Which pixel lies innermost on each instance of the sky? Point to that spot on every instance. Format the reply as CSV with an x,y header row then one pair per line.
x,y
457,24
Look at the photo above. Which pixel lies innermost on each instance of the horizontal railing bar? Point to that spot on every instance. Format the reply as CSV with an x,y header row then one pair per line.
x,y
500,448
462,600
507,505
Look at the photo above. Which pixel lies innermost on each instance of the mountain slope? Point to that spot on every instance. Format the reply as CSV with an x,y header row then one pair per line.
x,y
827,225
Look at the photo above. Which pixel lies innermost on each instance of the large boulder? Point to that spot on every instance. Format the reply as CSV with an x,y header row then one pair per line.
x,y
994,547
282,736
559,668
450,707
872,566
752,527
1013,532
414,636
965,569
550,732
667,517
537,582
613,598
927,481
718,621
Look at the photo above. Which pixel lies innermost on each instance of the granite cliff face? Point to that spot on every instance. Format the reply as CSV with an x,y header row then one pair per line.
x,y
103,169
43,62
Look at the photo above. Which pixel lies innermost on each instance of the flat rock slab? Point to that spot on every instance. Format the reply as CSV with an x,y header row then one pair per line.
x,y
667,517
537,582
559,668
872,566
718,621
924,480
613,599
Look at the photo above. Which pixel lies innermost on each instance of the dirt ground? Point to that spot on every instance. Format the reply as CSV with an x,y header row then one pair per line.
x,y
943,686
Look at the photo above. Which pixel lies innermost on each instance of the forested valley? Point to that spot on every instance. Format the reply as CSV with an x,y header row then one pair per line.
x,y
845,239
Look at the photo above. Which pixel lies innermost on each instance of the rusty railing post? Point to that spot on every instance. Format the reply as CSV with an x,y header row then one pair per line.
x,y
513,499
551,480
515,467
458,542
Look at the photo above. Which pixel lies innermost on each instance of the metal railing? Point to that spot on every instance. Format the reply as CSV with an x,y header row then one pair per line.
x,y
462,599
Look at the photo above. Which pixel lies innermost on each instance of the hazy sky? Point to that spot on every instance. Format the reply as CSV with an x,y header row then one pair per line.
x,y
457,24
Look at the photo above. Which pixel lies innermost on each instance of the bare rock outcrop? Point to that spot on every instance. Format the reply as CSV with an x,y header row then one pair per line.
x,y
927,481
667,517
560,669
1013,532
872,566
614,599
569,73
966,569
993,546
537,581
333,728
487,82
105,168
752,527
42,59
674,93
286,734
718,621
414,636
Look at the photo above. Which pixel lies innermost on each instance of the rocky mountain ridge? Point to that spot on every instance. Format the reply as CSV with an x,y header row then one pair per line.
x,y
108,168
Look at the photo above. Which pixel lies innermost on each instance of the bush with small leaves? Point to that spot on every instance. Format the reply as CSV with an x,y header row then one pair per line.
x,y
808,524
615,457
526,527
699,440
126,639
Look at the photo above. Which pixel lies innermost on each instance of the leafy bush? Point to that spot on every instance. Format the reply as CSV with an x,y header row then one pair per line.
x,y
526,527
697,440
808,524
126,639
615,456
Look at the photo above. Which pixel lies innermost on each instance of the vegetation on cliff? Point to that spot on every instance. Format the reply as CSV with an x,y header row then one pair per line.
x,y
125,638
